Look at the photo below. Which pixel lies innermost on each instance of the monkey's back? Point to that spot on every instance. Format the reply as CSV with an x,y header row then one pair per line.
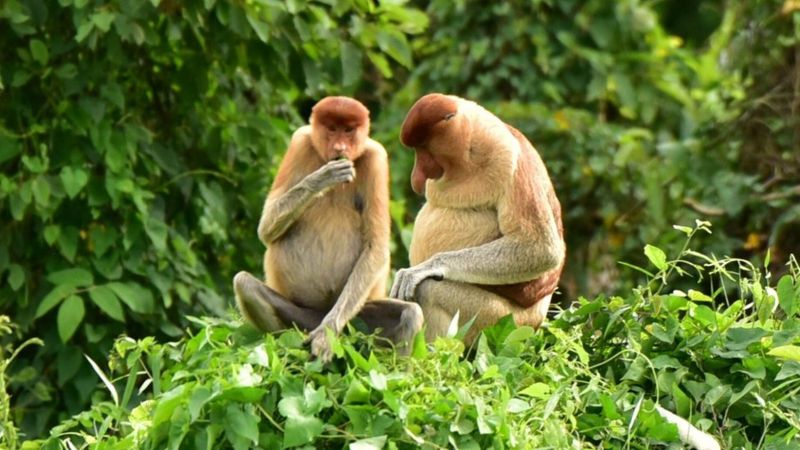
x,y
312,261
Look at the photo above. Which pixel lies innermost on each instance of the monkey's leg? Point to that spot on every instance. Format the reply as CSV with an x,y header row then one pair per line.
x,y
398,320
441,299
268,310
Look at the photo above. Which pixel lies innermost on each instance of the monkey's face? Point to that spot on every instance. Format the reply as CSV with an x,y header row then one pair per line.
x,y
342,140
339,128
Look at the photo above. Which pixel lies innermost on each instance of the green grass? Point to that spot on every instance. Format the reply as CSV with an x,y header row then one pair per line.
x,y
716,341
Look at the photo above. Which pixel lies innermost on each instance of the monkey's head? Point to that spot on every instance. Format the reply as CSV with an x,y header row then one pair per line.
x,y
440,132
339,128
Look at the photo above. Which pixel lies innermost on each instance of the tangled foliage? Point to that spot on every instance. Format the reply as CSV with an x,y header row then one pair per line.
x,y
589,379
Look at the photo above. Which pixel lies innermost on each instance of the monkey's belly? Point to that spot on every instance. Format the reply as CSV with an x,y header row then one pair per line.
x,y
312,262
439,230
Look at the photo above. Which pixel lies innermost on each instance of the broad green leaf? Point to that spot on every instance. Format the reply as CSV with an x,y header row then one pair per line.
x,y
51,233
200,396
16,276
261,28
356,393
68,242
381,63
74,277
537,390
41,191
242,424
157,231
789,369
656,256
103,19
9,147
168,402
107,301
138,298
698,296
60,292
740,338
73,179
791,352
301,430
351,57
70,316
395,44
786,295
372,443
39,51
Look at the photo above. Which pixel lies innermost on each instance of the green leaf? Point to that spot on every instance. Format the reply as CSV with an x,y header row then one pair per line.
x,y
16,276
74,277
301,430
9,147
68,243
157,231
395,44
352,69
537,390
241,424
656,256
786,295
103,19
51,233
70,315
372,443
698,296
39,51
53,298
261,28
41,191
380,63
83,30
73,179
107,301
138,298
790,352
356,393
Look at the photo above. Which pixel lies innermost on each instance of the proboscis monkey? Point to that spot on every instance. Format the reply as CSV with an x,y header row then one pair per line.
x,y
326,227
489,241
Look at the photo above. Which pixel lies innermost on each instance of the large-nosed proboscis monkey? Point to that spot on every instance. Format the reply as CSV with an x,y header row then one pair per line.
x,y
488,242
326,226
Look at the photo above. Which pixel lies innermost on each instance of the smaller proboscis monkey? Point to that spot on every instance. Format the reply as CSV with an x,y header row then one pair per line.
x,y
488,242
326,226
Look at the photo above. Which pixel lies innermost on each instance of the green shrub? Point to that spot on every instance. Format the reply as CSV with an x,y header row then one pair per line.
x,y
590,378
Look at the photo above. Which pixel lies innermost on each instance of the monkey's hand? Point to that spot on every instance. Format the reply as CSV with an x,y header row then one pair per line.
x,y
407,280
335,172
320,347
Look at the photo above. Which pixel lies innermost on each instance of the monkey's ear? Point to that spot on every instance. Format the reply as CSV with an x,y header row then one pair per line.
x,y
424,115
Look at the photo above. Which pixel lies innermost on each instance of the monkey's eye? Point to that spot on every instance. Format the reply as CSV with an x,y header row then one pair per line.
x,y
348,129
331,128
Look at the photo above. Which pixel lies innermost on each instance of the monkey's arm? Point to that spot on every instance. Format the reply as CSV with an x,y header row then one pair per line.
x,y
374,256
285,203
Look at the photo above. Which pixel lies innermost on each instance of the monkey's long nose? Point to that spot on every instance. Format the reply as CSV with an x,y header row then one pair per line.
x,y
339,147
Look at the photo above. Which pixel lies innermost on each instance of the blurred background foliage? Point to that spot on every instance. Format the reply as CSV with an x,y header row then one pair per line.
x,y
138,139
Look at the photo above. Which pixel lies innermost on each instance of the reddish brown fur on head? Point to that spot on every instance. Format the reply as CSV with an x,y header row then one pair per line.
x,y
422,119
339,127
